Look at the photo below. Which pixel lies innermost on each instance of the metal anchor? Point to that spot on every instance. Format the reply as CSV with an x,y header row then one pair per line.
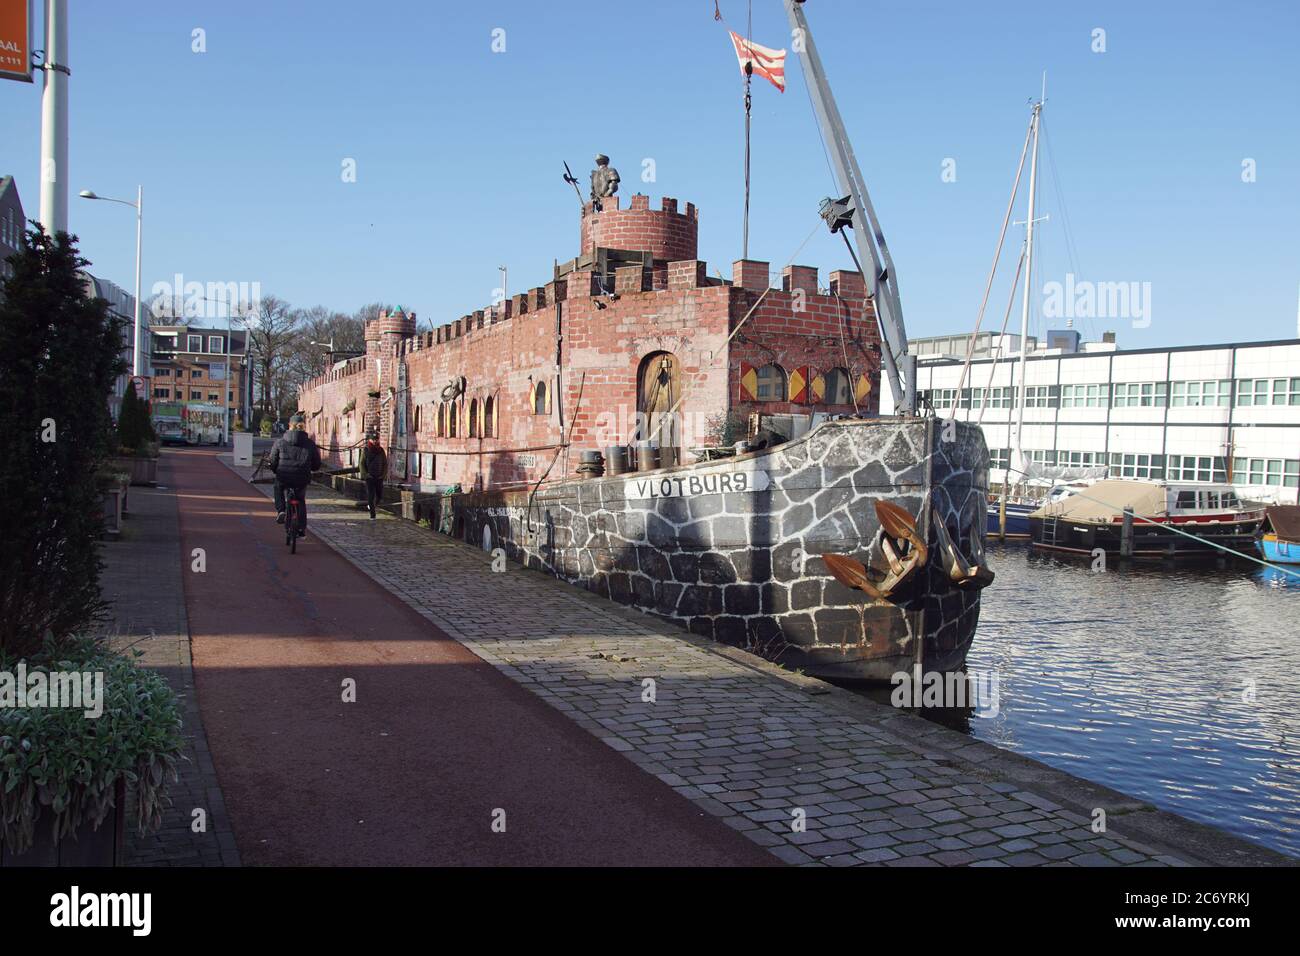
x,y
899,526
967,575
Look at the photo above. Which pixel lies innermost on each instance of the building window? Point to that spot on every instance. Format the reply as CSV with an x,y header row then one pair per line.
x,y
1197,394
196,373
839,388
1042,458
194,343
943,397
162,393
1001,397
1197,468
1136,466
162,372
214,344
1139,395
1266,471
473,419
539,398
1268,391
489,412
440,427
1080,459
771,385
1084,396
1042,396
415,420
453,413
1000,458
196,396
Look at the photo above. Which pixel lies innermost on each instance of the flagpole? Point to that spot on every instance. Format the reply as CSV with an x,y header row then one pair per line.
x,y
744,245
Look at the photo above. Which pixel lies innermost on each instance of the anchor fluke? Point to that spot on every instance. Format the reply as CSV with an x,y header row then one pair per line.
x,y
965,574
898,526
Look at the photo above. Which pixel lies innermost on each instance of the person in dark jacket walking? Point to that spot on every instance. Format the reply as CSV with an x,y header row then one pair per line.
x,y
293,459
374,466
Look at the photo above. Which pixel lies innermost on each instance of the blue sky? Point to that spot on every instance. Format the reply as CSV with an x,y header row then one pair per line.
x,y
458,149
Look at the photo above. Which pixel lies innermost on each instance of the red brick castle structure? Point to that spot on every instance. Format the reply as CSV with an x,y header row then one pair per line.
x,y
630,329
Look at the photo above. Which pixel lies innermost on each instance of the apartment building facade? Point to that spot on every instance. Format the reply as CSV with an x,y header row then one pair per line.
x,y
199,381
1214,413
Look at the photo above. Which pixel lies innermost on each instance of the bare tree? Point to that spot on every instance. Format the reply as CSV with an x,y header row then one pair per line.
x,y
274,334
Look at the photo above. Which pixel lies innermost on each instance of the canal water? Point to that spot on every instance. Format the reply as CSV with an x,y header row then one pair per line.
x,y
1177,686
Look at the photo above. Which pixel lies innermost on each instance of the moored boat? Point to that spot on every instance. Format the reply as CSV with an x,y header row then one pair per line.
x,y
1279,534
1168,520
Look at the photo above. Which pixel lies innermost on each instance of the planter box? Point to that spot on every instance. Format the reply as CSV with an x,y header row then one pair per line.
x,y
85,847
143,471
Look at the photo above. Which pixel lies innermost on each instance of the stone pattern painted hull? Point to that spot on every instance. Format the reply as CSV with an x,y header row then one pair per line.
x,y
732,550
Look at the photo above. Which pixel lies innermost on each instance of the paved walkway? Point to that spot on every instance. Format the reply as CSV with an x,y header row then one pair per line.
x,y
142,579
754,746
440,759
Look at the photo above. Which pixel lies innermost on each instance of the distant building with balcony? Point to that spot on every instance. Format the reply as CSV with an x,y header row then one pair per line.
x,y
200,382
1191,413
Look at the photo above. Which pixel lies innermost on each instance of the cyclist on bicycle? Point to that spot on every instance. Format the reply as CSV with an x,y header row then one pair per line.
x,y
293,459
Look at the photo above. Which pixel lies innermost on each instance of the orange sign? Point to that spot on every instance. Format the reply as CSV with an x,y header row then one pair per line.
x,y
16,40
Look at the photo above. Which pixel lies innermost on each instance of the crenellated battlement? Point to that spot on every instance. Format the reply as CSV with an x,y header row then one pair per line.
x,y
667,234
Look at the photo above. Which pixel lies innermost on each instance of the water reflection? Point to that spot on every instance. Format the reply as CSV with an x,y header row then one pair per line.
x,y
1177,686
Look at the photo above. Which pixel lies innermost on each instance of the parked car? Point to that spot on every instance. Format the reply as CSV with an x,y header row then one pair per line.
x,y
172,436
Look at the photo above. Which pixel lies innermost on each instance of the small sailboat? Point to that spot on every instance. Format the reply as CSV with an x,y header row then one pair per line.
x,y
1279,535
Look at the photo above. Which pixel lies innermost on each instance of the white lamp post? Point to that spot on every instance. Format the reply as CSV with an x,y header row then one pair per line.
x,y
138,205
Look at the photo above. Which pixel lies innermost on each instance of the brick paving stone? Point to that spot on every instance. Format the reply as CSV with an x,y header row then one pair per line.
x,y
142,581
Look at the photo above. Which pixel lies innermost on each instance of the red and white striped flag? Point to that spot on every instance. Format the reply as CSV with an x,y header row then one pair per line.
x,y
769,64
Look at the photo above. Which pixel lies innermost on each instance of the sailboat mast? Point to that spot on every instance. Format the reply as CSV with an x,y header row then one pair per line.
x,y
1028,289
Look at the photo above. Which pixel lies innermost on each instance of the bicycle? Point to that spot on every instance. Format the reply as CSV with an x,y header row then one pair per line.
x,y
291,519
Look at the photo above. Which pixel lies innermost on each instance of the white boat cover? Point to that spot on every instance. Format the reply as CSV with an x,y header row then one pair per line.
x,y
1107,500
1054,474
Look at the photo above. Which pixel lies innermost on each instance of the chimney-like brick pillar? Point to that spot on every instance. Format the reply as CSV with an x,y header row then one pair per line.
x,y
750,274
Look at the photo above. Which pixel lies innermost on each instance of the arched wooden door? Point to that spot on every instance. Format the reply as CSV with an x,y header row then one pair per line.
x,y
659,389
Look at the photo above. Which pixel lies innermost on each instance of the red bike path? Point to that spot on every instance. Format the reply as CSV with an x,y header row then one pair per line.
x,y
437,740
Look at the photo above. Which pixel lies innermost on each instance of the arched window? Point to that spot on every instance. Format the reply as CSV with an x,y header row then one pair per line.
x,y
453,413
771,384
539,398
489,412
415,424
441,426
473,419
839,387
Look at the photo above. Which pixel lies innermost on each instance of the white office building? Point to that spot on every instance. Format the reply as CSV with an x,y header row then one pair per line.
x,y
1192,413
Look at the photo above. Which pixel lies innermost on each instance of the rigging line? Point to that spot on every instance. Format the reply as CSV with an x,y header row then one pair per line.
x,y
752,309
1177,530
997,256
1071,247
577,404
1011,301
844,350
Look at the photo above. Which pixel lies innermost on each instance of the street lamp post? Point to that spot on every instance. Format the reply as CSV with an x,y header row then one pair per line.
x,y
138,205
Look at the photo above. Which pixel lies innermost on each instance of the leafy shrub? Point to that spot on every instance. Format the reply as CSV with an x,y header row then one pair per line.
x,y
59,768
59,359
134,430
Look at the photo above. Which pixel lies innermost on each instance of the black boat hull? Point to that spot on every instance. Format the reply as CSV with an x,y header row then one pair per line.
x,y
1151,541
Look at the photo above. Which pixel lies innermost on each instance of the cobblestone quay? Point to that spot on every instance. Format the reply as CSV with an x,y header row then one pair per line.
x,y
813,773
